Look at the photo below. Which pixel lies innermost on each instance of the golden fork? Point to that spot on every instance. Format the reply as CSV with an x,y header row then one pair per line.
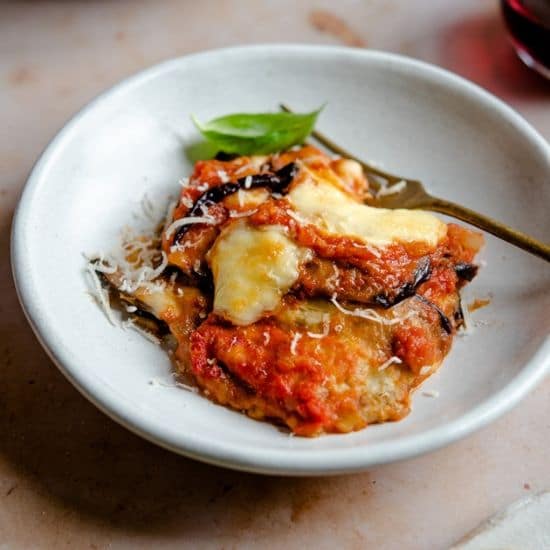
x,y
413,195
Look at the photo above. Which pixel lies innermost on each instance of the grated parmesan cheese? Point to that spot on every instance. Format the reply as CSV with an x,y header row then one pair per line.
x,y
370,314
142,275
247,182
101,267
430,393
187,202
235,214
294,342
468,327
100,294
188,221
159,383
180,247
240,197
137,263
222,174
326,328
187,387
334,279
392,360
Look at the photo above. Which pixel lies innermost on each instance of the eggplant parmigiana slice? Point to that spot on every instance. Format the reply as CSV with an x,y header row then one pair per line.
x,y
292,300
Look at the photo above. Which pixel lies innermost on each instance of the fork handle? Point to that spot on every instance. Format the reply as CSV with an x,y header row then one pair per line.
x,y
486,223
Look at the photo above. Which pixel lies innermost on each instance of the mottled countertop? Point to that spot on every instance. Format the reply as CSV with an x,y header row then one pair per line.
x,y
69,476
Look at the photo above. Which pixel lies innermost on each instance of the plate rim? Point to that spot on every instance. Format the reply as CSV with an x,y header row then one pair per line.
x,y
252,459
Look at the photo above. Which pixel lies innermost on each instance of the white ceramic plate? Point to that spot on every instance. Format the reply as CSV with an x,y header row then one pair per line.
x,y
412,118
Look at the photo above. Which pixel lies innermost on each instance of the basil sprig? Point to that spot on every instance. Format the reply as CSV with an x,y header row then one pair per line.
x,y
257,133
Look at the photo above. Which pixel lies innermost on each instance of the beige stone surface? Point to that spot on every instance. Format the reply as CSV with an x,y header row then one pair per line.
x,y
69,476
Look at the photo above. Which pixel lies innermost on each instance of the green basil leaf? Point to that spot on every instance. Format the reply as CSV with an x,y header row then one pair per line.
x,y
258,133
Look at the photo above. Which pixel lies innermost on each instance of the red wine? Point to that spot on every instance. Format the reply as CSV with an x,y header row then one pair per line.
x,y
529,24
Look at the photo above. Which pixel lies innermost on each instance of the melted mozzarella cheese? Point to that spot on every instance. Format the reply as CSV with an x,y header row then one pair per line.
x,y
323,204
252,268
